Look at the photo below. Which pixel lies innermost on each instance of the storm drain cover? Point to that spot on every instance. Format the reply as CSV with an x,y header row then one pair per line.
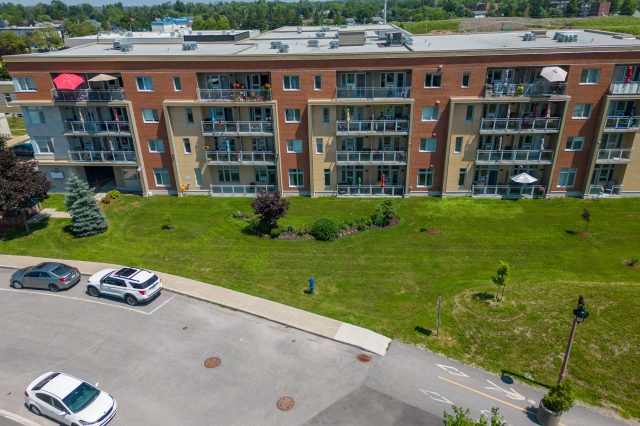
x,y
212,362
362,357
285,403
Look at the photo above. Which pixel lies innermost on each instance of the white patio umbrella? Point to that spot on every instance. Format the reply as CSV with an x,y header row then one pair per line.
x,y
103,77
554,74
523,178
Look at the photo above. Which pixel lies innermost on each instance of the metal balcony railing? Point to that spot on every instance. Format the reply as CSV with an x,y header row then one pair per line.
x,y
529,89
371,157
373,92
117,127
615,155
372,127
370,190
241,190
508,191
87,95
102,156
241,157
237,127
622,88
622,123
520,125
515,156
234,95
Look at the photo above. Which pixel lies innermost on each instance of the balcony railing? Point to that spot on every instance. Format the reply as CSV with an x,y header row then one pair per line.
x,y
601,191
241,157
241,190
520,125
371,157
234,95
508,191
117,127
530,89
622,88
87,95
237,128
363,127
373,92
370,190
622,124
516,156
102,156
613,156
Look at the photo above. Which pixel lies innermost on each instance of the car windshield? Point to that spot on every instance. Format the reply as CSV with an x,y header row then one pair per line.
x,y
145,284
62,270
81,397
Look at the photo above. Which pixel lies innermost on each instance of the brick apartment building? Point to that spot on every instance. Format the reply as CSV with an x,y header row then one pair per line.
x,y
347,112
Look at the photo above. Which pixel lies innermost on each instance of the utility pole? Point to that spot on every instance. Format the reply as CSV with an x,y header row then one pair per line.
x,y
384,12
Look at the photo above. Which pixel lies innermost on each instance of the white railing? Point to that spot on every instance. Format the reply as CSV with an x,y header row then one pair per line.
x,y
370,190
622,88
241,190
235,95
241,157
530,89
373,92
237,127
87,95
595,190
97,127
372,126
103,156
514,156
371,157
614,155
508,191
622,123
523,125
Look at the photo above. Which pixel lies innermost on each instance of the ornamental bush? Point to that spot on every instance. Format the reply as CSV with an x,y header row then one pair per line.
x,y
385,211
325,229
560,397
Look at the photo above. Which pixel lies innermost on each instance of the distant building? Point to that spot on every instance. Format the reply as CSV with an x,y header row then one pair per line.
x,y
171,24
26,30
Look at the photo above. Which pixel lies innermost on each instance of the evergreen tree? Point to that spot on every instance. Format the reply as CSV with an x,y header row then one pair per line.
x,y
572,9
628,7
87,217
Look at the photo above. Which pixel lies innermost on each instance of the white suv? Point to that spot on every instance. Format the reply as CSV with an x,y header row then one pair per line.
x,y
131,284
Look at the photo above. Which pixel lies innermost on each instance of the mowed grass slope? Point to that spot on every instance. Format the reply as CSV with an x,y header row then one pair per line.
x,y
389,280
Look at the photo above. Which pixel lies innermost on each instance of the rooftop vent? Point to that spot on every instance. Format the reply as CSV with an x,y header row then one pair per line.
x,y
351,38
320,35
299,30
284,48
313,43
565,37
394,38
334,44
189,45
116,44
126,47
529,37
324,29
276,44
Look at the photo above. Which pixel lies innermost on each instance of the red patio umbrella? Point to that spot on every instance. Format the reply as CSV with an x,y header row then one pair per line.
x,y
629,75
68,81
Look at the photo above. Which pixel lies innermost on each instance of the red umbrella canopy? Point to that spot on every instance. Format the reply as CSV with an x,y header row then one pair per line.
x,y
68,81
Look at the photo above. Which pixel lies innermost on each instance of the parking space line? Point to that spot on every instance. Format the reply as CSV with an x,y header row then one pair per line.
x,y
163,303
16,418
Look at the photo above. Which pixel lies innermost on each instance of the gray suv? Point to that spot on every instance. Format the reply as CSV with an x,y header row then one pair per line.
x,y
52,275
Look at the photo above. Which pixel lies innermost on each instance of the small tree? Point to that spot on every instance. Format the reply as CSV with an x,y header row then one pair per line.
x,y
462,417
500,279
586,216
628,7
560,397
270,208
87,217
385,211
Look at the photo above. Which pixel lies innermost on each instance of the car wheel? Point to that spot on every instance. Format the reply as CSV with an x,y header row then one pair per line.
x,y
17,285
54,288
131,301
93,291
35,410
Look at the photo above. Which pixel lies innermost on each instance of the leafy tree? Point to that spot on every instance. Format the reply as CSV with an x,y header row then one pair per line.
x,y
79,28
500,279
45,38
628,7
11,44
87,217
270,208
462,417
198,23
572,9
586,216
22,185
560,397
223,23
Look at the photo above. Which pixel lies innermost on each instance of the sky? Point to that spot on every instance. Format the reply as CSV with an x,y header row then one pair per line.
x,y
125,2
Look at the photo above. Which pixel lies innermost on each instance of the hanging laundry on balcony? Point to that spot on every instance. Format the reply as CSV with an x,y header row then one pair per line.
x,y
68,81
103,77
553,74
523,178
629,75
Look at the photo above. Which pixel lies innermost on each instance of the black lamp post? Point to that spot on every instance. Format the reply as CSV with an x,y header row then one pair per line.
x,y
580,314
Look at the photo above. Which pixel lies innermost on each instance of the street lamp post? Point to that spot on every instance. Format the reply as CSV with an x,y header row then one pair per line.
x,y
580,314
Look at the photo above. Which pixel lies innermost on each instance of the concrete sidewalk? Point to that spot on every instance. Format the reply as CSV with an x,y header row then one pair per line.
x,y
287,315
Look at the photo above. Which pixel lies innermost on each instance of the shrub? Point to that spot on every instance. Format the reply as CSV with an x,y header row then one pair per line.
x,y
167,222
275,232
560,397
113,194
385,211
363,223
290,228
240,215
633,261
270,208
325,229
462,417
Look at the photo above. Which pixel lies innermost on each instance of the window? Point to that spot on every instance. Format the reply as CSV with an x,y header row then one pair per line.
x,y
294,145
291,82
188,112
144,84
469,116
428,144
186,144
425,178
43,144
58,405
177,84
433,80
8,97
291,115
162,177
581,111
24,84
590,76
44,398
198,174
575,143
150,116
317,82
325,115
462,175
155,145
296,178
229,174
34,115
319,146
327,178
430,113
458,146
466,77
567,177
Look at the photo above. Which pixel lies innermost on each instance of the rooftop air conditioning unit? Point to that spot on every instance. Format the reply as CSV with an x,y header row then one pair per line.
x,y
313,43
321,35
299,30
189,45
529,37
284,48
276,44
394,38
334,44
126,47
343,27
116,44
408,40
324,29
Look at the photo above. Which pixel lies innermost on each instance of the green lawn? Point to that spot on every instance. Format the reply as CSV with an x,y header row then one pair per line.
x,y
424,27
389,280
55,201
16,124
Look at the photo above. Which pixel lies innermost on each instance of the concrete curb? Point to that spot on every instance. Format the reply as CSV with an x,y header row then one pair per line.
x,y
273,311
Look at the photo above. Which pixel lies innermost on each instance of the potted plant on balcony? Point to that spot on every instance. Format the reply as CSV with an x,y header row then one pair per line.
x,y
559,398
519,90
266,91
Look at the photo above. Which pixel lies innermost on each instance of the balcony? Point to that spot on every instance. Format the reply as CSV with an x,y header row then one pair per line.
x,y
516,156
102,156
508,191
371,157
497,90
258,158
622,88
234,95
614,156
237,128
241,190
372,127
373,92
622,124
600,191
370,190
97,127
519,125
87,95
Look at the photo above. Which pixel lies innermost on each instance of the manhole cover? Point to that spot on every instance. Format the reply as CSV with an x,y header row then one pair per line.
x,y
285,403
212,362
364,357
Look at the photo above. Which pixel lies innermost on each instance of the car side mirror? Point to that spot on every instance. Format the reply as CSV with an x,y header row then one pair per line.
x,y
62,413
97,384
